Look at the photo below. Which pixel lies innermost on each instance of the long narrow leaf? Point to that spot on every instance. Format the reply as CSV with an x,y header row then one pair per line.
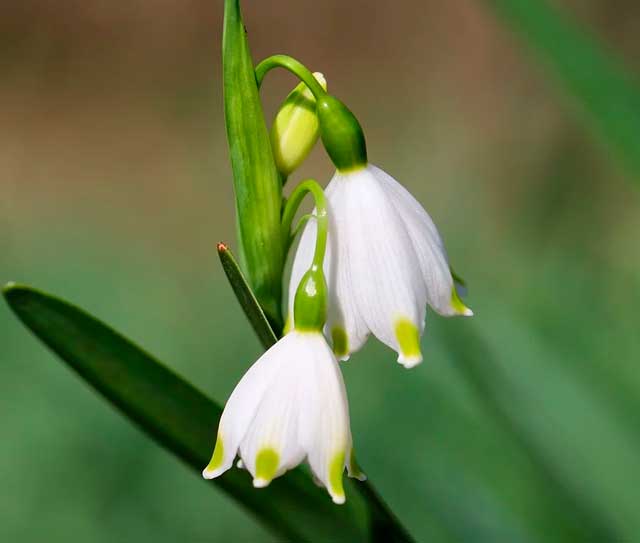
x,y
607,93
248,301
178,416
477,365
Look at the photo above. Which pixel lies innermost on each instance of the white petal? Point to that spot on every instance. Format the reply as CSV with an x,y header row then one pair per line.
x,y
324,418
241,408
345,326
385,277
271,445
428,245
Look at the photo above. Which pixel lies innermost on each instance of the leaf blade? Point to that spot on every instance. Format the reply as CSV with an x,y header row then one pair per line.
x,y
246,298
174,413
477,365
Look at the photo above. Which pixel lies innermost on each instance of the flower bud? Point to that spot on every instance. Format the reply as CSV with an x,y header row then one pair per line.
x,y
295,128
310,303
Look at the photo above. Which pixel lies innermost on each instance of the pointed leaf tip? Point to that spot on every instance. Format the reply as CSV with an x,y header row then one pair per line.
x,y
247,299
11,285
13,292
7,288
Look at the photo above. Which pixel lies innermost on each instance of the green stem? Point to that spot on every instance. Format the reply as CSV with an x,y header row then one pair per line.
x,y
308,186
295,67
301,224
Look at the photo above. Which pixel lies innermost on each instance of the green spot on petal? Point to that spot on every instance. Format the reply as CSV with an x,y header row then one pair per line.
x,y
336,469
457,304
287,325
267,464
340,341
408,338
218,455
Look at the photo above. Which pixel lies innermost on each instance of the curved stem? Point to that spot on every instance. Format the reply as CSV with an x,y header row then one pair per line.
x,y
295,67
298,228
308,186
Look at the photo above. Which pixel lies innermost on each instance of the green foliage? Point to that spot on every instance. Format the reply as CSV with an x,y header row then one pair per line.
x,y
477,365
248,301
176,415
607,94
258,187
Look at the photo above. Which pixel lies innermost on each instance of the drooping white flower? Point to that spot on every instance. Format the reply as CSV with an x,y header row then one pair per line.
x,y
290,406
385,261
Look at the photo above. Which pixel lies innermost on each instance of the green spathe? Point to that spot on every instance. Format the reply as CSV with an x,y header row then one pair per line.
x,y
257,184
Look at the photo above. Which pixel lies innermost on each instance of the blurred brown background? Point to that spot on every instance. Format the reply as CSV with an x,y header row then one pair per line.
x,y
112,109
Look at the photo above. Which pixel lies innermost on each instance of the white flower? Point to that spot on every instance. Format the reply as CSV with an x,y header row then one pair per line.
x,y
290,406
385,261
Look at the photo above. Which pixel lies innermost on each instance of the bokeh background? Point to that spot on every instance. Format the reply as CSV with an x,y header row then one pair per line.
x,y
522,423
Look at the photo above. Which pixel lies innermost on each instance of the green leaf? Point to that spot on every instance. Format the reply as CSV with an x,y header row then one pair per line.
x,y
258,188
477,364
179,417
248,301
608,94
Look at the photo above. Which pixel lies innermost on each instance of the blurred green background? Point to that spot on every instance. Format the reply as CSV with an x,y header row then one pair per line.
x,y
522,423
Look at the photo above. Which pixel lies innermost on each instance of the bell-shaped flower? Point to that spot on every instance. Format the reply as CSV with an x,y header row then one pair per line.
x,y
385,262
290,406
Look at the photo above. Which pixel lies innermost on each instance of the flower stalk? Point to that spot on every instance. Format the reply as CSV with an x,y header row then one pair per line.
x,y
312,187
295,67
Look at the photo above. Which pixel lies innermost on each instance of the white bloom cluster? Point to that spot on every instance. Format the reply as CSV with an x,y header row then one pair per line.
x,y
369,262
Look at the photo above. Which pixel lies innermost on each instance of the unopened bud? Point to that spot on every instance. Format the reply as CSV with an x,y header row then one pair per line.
x,y
295,129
